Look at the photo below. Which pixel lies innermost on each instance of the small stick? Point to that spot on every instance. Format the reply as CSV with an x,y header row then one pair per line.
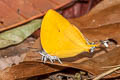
x,y
111,66
106,73
32,48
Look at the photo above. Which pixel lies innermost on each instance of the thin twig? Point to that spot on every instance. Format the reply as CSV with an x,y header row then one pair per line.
x,y
106,73
111,66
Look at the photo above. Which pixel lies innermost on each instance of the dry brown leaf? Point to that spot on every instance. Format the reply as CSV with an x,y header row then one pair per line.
x,y
110,14
30,67
103,5
14,54
92,63
27,69
23,11
83,62
103,33
95,34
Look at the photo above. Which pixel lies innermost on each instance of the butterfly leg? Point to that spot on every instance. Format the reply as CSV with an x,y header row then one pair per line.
x,y
44,59
92,49
59,60
46,56
50,58
54,58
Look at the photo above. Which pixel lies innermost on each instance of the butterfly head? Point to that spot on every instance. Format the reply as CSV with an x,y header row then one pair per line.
x,y
105,43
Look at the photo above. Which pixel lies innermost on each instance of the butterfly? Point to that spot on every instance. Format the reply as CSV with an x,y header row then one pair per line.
x,y
61,39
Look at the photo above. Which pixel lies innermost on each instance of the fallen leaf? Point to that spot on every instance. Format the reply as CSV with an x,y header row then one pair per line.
x,y
22,11
110,14
103,33
17,35
103,5
87,61
14,54
92,63
33,66
27,69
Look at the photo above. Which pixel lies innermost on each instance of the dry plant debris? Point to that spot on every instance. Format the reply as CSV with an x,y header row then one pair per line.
x,y
102,27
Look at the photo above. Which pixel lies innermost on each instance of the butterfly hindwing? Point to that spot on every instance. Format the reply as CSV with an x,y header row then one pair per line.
x,y
60,38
